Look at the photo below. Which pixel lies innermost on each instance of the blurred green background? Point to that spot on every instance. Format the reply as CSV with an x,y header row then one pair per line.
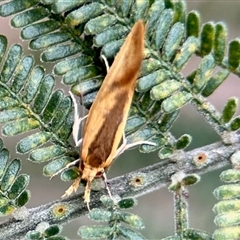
x,y
156,208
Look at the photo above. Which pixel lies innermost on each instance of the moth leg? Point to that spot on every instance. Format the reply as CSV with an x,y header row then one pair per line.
x,y
66,167
106,62
106,185
86,196
77,121
72,188
126,146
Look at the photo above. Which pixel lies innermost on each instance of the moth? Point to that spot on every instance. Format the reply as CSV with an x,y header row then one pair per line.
x,y
104,127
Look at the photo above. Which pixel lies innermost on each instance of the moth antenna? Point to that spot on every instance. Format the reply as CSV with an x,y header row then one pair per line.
x,y
106,62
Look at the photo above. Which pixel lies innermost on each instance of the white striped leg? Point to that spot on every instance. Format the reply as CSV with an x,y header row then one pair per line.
x,y
77,122
126,146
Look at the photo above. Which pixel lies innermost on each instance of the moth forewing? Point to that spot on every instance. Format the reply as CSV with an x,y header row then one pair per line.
x,y
107,117
108,114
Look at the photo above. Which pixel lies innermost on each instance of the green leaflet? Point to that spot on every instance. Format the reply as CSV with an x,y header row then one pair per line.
x,y
62,111
220,41
44,91
56,165
196,234
176,101
52,106
235,124
99,24
117,31
163,25
20,183
207,38
20,126
84,13
146,103
46,153
130,234
165,89
179,11
149,65
94,232
28,102
33,141
100,215
227,219
215,81
188,48
4,156
29,17
33,83
3,46
227,206
12,114
60,6
125,7
22,72
140,9
87,86
13,7
148,81
173,41
57,52
153,14
165,152
48,40
230,175
167,119
234,54
72,63
203,73
132,219
227,233
38,29
227,192
76,75
142,134
70,174
183,141
13,57
10,174
159,140
193,24
133,123
229,110
110,49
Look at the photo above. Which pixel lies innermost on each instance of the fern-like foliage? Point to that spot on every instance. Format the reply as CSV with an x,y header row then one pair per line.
x,y
13,193
227,209
114,215
44,231
28,102
73,35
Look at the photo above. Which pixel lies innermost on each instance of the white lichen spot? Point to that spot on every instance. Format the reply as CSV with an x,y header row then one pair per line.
x,y
20,213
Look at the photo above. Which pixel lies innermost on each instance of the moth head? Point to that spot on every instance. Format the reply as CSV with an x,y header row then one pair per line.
x,y
89,172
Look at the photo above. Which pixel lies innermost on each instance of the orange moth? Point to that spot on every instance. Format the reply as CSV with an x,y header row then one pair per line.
x,y
104,127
